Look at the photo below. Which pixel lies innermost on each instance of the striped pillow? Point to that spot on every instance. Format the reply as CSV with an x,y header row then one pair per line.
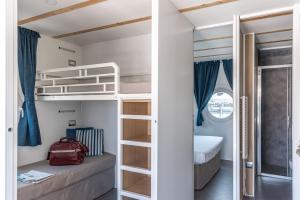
x,y
93,139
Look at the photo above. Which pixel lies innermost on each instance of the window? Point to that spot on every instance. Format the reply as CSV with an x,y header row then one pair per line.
x,y
220,106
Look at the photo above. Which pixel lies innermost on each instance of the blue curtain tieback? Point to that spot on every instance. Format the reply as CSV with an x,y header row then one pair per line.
x,y
29,100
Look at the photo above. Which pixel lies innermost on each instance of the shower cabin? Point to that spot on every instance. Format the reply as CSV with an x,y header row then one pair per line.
x,y
274,96
266,99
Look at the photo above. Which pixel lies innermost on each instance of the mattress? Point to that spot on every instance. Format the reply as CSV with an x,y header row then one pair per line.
x,y
206,148
133,88
65,176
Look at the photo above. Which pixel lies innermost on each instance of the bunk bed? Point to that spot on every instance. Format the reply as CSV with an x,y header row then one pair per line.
x,y
87,82
133,94
98,81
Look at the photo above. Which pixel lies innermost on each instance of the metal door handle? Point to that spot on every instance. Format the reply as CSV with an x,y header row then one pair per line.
x,y
298,150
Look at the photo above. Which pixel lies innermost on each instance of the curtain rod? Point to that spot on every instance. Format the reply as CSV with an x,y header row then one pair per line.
x,y
213,58
214,55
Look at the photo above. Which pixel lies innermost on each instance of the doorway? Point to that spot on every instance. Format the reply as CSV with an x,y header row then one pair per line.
x,y
214,107
274,121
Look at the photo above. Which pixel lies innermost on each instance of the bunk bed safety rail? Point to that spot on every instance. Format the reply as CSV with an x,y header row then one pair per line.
x,y
97,79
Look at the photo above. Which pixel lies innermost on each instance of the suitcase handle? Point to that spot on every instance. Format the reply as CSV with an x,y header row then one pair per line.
x,y
67,139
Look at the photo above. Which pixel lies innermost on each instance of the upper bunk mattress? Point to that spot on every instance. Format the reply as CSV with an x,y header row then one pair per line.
x,y
206,148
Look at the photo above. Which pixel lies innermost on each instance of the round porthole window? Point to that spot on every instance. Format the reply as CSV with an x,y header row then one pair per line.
x,y
220,106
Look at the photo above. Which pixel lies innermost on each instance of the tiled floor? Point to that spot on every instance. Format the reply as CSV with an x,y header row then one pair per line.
x,y
272,189
220,187
272,169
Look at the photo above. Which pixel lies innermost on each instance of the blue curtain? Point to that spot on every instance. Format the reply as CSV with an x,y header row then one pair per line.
x,y
227,65
28,127
205,78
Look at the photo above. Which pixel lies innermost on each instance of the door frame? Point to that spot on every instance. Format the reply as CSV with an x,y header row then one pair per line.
x,y
258,121
295,101
11,99
236,107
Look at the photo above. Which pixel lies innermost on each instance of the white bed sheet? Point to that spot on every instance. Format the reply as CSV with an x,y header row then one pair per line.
x,y
206,148
134,88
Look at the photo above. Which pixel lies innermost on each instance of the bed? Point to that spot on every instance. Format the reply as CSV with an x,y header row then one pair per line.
x,y
89,180
206,159
97,79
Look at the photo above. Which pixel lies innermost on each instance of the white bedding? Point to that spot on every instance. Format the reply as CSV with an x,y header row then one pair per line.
x,y
132,88
206,148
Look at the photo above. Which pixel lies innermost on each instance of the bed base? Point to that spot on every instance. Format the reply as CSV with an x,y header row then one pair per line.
x,y
204,172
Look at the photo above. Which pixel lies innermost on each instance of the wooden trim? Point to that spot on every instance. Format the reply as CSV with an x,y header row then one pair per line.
x,y
267,16
60,11
274,41
213,48
104,27
274,31
214,38
205,5
183,10
222,54
249,91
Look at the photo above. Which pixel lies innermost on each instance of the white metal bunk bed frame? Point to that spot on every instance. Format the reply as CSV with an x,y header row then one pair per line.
x,y
82,73
64,94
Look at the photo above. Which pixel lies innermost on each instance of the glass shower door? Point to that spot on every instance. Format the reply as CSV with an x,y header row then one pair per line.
x,y
274,130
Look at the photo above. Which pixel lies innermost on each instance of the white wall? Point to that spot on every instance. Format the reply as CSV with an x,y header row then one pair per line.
x,y
133,54
52,124
296,100
102,114
173,96
49,56
212,127
52,127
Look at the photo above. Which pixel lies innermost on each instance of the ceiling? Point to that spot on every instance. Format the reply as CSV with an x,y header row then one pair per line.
x,y
113,11
210,49
263,30
103,13
225,12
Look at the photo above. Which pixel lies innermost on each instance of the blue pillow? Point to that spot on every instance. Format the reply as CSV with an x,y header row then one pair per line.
x,y
71,132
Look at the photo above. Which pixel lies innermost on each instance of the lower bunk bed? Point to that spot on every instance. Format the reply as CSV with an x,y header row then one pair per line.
x,y
89,180
206,159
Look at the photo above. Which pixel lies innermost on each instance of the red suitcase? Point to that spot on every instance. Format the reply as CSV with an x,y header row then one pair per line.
x,y
67,151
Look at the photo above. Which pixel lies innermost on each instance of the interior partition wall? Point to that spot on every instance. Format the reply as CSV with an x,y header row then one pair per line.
x,y
172,93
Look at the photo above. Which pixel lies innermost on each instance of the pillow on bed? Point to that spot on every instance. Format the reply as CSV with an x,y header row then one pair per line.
x,y
93,139
71,132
